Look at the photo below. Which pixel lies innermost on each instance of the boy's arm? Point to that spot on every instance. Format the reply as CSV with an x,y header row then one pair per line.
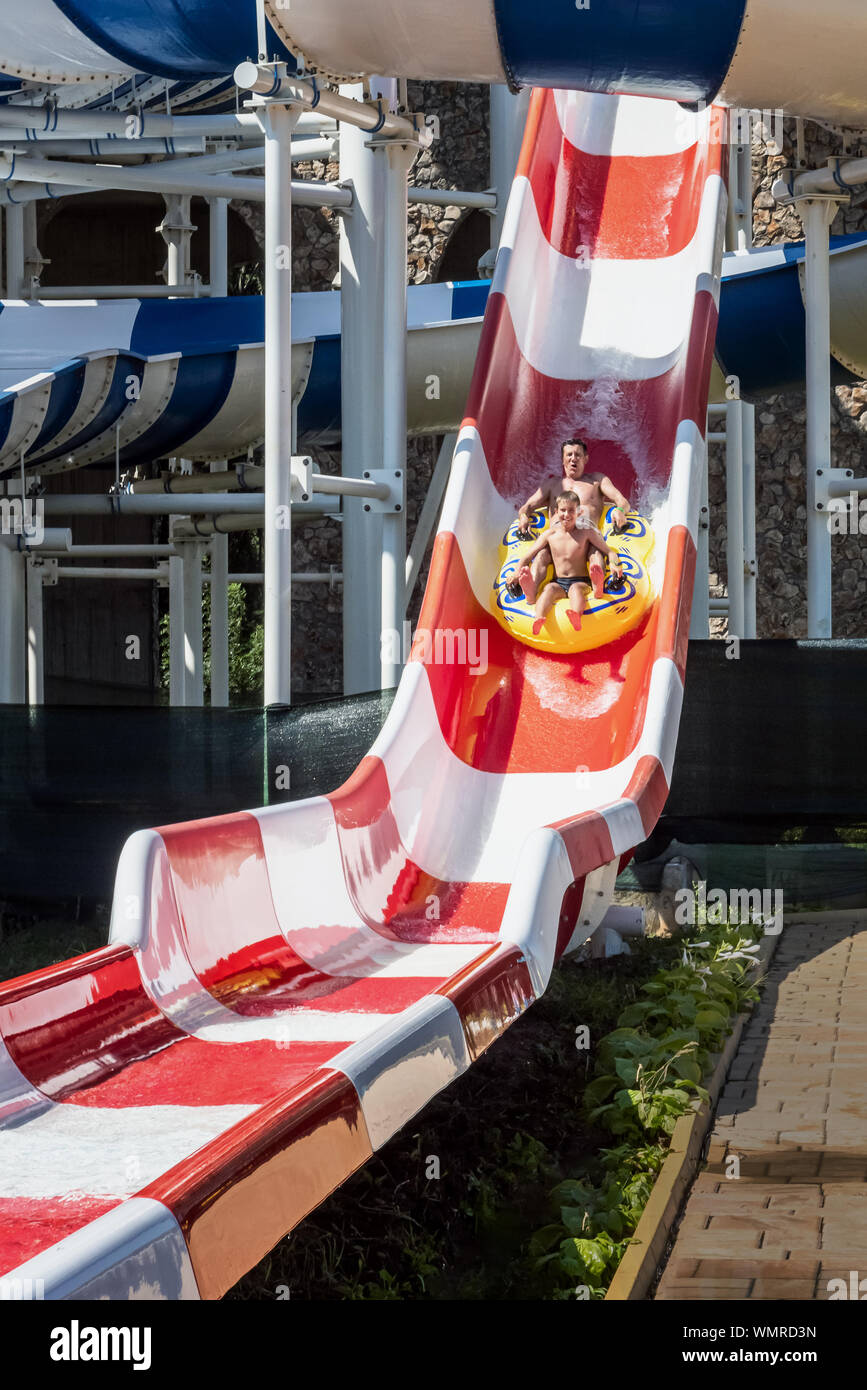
x,y
534,550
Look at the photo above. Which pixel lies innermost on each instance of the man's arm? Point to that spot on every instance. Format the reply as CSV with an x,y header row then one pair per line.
x,y
540,498
595,539
607,488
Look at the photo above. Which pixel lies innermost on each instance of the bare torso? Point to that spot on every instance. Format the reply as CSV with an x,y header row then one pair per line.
x,y
586,488
569,550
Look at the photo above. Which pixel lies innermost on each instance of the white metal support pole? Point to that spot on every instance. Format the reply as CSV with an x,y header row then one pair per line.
x,y
508,115
218,211
817,214
12,616
177,671
735,517
35,633
398,157
14,251
277,123
219,611
362,366
751,564
739,222
193,633
699,623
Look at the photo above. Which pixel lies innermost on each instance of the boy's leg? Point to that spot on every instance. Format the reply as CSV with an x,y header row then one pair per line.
x,y
526,582
596,570
577,601
544,604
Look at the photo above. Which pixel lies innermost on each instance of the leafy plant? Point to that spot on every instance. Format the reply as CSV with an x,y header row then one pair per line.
x,y
649,1070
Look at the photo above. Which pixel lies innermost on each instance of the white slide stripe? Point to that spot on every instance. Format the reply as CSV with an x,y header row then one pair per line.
x,y
399,1070
628,126
83,1150
576,321
136,1251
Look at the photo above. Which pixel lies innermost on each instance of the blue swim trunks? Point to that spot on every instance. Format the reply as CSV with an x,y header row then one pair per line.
x,y
566,584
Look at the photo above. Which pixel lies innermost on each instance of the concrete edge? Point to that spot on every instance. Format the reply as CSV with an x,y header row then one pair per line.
x,y
838,914
637,1269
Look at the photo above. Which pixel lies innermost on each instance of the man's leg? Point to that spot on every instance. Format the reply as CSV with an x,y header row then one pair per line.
x,y
544,604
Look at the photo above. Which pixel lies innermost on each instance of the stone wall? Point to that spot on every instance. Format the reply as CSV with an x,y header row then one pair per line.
x,y
781,514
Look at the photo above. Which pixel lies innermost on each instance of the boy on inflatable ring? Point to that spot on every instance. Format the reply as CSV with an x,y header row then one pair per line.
x,y
570,543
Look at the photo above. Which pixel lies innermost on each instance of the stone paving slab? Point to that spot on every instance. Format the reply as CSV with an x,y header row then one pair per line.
x,y
791,1212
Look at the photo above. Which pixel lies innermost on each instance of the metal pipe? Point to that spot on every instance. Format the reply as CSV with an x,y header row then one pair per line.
x,y
735,518
362,365
219,610
51,538
177,669
14,252
751,566
277,123
108,572
35,634
194,689
844,487
112,552
836,179
318,577
452,197
220,526
430,509
817,300
105,149
699,627
162,178
131,504
398,158
173,290
274,81
12,626
34,123
218,274
508,115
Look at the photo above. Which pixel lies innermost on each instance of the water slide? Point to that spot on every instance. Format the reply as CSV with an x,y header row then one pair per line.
x,y
285,988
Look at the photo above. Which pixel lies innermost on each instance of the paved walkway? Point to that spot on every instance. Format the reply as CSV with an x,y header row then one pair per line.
x,y
794,1115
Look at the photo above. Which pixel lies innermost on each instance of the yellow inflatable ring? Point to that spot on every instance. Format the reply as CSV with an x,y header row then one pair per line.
x,y
605,618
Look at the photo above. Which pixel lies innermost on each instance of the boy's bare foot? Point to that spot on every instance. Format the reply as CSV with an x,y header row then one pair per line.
x,y
537,626
527,584
597,579
574,618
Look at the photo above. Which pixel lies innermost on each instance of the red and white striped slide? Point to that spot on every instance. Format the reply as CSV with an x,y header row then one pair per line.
x,y
285,988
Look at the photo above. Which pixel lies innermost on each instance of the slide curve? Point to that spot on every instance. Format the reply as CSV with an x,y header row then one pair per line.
x,y
285,988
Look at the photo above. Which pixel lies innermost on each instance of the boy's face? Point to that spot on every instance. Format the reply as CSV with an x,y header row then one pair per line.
x,y
567,512
574,460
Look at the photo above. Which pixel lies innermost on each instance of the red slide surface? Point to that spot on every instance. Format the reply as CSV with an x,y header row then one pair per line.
x,y
286,987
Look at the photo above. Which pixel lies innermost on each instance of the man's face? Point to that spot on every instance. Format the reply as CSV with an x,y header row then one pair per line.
x,y
567,512
574,460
